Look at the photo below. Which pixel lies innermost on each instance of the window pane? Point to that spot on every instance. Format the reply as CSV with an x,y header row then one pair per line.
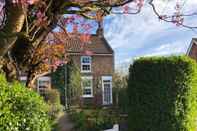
x,y
86,60
87,86
107,93
86,83
87,92
43,84
23,81
106,81
86,67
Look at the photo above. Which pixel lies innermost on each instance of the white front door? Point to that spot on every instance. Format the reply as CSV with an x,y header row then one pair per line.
x,y
107,90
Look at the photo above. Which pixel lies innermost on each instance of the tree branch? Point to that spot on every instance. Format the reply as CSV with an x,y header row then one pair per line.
x,y
166,18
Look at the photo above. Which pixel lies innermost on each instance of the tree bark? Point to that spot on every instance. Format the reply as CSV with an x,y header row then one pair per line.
x,y
9,68
15,17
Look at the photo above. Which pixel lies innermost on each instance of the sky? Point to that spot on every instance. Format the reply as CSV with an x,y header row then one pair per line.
x,y
133,36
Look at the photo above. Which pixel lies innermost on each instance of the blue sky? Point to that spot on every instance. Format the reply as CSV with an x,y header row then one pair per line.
x,y
132,36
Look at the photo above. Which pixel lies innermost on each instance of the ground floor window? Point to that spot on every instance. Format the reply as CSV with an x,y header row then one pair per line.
x,y
107,90
87,86
43,83
23,79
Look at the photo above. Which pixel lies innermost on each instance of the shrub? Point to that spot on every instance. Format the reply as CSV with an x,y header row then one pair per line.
x,y
120,94
93,120
123,100
162,94
52,96
21,109
58,81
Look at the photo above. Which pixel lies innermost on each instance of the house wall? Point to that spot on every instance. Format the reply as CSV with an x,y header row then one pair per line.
x,y
193,52
102,65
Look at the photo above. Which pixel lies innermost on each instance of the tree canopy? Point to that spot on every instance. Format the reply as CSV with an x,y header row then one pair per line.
x,y
30,44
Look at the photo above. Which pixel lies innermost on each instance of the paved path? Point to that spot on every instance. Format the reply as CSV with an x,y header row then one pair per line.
x,y
64,124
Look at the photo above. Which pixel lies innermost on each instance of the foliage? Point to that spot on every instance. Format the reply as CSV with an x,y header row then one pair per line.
x,y
21,109
52,97
29,27
123,101
162,94
120,96
74,84
58,82
93,120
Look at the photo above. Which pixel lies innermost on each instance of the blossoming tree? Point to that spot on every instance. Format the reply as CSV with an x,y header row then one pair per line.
x,y
25,25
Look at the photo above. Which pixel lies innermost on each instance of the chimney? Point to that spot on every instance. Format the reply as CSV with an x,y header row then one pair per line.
x,y
100,31
75,29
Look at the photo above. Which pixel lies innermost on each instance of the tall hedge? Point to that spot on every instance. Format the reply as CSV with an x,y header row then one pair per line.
x,y
21,109
163,94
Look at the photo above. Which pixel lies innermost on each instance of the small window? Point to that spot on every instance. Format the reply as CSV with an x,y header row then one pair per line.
x,y
86,64
23,79
87,86
43,83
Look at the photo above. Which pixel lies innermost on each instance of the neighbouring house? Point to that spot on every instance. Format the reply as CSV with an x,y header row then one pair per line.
x,y
192,50
95,60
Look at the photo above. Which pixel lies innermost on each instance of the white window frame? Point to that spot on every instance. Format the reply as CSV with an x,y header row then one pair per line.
x,y
91,87
43,78
107,78
90,64
23,78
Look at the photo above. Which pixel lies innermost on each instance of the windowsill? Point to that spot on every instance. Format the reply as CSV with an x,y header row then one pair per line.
x,y
108,104
87,96
86,71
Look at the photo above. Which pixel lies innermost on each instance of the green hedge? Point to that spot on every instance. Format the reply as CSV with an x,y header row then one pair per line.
x,y
93,120
21,109
162,94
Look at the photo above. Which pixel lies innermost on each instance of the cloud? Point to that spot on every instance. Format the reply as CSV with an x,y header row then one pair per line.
x,y
144,35
167,49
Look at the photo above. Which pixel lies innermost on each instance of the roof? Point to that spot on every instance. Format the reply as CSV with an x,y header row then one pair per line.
x,y
96,44
194,41
77,43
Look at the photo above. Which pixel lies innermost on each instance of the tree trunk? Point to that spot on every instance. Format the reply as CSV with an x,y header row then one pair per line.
x,y
9,68
15,17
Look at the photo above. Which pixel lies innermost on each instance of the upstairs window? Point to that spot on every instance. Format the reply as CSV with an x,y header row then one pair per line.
x,y
86,63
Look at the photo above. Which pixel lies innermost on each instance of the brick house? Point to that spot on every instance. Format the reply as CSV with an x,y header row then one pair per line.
x,y
192,50
96,63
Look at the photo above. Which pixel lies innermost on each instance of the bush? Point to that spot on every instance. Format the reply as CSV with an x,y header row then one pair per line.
x,y
21,109
52,97
93,120
162,94
120,94
123,101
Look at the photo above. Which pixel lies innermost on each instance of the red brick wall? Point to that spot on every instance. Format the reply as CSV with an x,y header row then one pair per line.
x,y
101,66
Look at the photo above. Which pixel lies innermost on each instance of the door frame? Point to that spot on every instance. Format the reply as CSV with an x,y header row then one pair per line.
x,y
107,78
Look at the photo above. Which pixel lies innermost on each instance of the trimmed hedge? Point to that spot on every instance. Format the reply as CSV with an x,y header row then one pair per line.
x,y
21,109
163,94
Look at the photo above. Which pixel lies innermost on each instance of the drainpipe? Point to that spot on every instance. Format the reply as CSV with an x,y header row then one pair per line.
x,y
66,86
